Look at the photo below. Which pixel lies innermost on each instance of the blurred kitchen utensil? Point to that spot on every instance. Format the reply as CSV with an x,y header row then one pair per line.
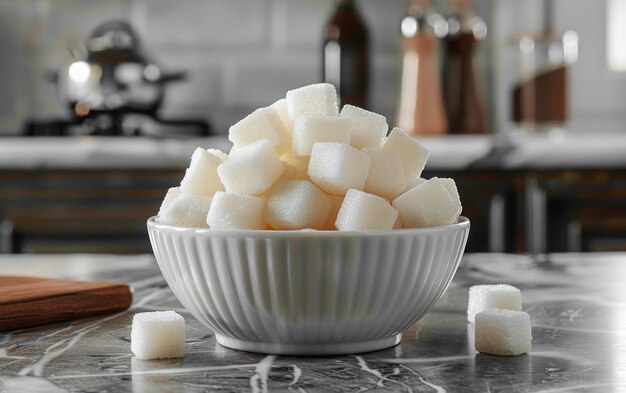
x,y
113,73
105,80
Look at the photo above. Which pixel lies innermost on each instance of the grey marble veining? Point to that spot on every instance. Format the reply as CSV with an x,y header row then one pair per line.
x,y
577,304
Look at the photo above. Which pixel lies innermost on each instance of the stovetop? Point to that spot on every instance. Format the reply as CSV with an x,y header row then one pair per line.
x,y
118,124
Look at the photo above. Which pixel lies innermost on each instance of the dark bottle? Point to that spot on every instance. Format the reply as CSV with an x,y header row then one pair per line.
x,y
464,107
346,54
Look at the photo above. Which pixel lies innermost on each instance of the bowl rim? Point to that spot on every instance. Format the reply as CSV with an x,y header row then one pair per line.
x,y
462,223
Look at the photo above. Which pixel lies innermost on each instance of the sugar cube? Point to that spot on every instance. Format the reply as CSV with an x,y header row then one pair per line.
x,y
158,335
338,167
412,154
502,332
218,153
280,110
363,211
335,205
368,129
201,177
313,100
289,172
308,130
426,205
300,163
236,211
485,297
398,223
386,175
265,195
450,185
171,194
187,211
296,204
251,169
263,123
412,181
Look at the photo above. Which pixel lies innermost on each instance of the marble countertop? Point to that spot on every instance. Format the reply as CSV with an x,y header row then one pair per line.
x,y
48,153
577,304
503,152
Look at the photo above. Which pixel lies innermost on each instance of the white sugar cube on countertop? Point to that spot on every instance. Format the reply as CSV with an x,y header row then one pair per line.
x,y
158,335
485,297
503,332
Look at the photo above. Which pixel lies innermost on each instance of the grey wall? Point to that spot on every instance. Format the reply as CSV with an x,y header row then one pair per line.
x,y
598,94
243,54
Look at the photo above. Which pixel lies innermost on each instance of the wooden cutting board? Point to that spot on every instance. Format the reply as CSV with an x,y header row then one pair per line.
x,y
30,301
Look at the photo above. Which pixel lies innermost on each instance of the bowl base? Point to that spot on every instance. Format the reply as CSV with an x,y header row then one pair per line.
x,y
308,349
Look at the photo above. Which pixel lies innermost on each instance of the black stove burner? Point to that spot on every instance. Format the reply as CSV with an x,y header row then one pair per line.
x,y
127,124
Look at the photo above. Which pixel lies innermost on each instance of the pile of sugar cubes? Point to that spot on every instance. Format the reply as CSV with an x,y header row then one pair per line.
x,y
302,164
500,327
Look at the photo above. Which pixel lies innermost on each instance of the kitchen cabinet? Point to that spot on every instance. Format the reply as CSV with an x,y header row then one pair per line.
x,y
531,195
82,210
582,209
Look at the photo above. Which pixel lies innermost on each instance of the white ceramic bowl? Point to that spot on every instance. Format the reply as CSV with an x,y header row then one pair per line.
x,y
308,292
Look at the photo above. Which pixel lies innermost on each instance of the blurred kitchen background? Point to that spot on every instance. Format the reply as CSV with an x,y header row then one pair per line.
x,y
522,102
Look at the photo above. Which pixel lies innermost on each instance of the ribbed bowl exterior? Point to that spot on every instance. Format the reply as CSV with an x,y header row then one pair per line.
x,y
308,287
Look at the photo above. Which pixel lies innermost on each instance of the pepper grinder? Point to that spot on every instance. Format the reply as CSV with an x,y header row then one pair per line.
x,y
464,106
421,110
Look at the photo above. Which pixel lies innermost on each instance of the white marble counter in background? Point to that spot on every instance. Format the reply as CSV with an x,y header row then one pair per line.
x,y
538,152
101,152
